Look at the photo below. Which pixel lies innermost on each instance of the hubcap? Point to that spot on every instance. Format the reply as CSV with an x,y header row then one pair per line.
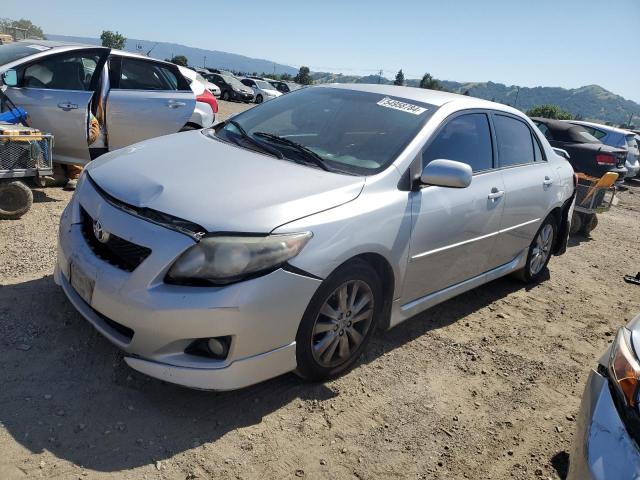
x,y
541,249
343,322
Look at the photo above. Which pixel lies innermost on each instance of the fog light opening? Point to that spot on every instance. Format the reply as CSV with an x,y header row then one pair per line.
x,y
218,347
215,347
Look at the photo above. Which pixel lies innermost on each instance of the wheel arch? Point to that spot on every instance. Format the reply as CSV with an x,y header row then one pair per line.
x,y
385,272
563,223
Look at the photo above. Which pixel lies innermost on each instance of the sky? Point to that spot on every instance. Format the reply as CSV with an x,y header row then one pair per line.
x,y
565,43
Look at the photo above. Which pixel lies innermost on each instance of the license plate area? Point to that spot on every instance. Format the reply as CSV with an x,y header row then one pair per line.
x,y
81,283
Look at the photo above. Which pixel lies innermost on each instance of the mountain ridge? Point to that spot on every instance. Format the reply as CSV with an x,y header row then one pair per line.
x,y
591,102
195,56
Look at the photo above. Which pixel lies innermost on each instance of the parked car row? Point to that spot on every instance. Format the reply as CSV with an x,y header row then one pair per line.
x,y
263,88
594,149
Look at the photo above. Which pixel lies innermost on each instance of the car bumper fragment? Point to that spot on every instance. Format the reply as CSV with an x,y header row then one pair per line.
x,y
602,447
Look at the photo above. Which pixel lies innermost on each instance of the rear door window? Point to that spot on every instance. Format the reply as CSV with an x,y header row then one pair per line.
x,y
145,75
515,143
466,139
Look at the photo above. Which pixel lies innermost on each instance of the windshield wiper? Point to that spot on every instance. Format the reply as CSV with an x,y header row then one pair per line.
x,y
265,148
310,154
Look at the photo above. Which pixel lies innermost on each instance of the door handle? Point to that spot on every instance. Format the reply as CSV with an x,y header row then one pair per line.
x,y
66,106
175,104
495,194
547,182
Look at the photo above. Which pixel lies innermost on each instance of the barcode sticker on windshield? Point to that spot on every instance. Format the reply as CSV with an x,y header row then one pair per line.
x,y
405,107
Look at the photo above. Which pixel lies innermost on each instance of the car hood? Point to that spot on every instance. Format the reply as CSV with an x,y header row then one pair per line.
x,y
219,186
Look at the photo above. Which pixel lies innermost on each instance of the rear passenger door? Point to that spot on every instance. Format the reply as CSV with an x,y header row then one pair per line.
x,y
147,99
528,182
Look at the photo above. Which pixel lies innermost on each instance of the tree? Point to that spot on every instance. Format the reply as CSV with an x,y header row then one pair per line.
x,y
179,60
303,77
549,111
113,40
399,78
429,82
22,28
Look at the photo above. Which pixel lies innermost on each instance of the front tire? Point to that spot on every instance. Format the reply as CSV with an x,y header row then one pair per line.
x,y
539,252
339,321
259,99
225,96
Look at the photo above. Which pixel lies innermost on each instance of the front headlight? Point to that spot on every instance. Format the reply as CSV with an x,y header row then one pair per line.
x,y
624,369
226,259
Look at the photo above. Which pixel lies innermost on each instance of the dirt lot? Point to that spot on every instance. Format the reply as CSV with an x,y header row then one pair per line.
x,y
483,386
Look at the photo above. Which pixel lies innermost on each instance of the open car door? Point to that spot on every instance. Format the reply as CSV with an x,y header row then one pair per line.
x,y
56,91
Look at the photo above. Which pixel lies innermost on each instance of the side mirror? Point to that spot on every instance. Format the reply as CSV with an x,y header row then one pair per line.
x,y
447,173
10,78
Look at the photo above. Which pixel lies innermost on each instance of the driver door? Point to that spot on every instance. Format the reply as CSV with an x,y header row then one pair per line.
x,y
454,230
56,91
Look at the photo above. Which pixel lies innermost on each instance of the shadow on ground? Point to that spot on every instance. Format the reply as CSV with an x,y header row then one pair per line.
x,y
67,390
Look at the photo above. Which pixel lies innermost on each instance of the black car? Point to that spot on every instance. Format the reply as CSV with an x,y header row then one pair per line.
x,y
281,86
231,88
588,154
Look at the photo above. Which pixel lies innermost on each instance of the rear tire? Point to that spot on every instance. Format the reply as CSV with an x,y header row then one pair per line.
x,y
539,252
15,199
590,224
576,224
339,321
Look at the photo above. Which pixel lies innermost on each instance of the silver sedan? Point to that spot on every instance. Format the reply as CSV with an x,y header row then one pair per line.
x,y
281,239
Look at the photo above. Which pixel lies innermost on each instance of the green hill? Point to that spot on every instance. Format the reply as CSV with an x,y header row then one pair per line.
x,y
590,102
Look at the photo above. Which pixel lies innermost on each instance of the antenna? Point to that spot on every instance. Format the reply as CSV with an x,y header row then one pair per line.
x,y
154,46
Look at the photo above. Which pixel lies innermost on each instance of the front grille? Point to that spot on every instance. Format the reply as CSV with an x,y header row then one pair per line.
x,y
116,251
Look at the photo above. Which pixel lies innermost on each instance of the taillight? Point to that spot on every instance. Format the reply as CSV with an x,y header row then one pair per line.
x,y
604,159
208,98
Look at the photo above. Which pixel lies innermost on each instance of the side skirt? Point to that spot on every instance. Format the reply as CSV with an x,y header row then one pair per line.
x,y
401,312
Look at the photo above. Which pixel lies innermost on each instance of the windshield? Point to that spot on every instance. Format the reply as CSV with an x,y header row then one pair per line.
x,y
264,85
353,131
15,51
233,81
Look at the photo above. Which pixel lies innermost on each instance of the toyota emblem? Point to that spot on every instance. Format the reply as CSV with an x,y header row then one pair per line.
x,y
100,233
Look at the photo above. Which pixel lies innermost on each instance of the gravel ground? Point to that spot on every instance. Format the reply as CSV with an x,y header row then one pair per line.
x,y
486,385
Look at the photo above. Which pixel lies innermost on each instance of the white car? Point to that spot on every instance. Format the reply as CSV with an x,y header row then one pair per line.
x,y
263,90
56,82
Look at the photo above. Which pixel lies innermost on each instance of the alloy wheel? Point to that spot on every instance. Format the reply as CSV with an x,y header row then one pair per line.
x,y
541,249
342,323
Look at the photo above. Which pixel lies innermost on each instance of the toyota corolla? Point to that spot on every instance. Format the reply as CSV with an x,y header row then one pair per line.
x,y
281,239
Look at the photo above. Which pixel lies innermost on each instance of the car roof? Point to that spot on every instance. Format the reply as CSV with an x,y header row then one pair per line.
x,y
555,124
602,127
64,46
433,97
